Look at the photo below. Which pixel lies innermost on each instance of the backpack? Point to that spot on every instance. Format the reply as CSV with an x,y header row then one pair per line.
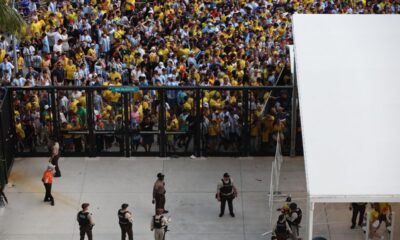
x,y
297,221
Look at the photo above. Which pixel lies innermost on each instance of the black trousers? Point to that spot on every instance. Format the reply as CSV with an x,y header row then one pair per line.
x,y
85,230
126,229
48,197
357,209
225,199
160,201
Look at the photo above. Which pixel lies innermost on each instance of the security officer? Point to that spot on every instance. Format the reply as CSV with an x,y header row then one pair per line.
x,y
125,222
159,193
281,230
358,208
47,180
226,191
294,217
85,221
55,155
159,224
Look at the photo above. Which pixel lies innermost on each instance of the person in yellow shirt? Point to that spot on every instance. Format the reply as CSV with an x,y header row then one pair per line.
x,y
119,33
70,69
213,132
278,128
254,130
91,55
36,26
129,6
20,135
21,62
172,126
114,75
163,52
266,128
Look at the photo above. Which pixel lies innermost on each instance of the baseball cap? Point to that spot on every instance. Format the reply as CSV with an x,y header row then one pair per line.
x,y
124,205
160,175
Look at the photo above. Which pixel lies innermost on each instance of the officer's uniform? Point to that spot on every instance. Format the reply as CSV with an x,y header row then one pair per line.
x,y
358,208
282,230
55,155
293,218
226,191
158,224
159,192
125,224
85,225
47,180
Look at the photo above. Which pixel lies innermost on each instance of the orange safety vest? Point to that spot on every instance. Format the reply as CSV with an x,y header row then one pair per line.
x,y
47,176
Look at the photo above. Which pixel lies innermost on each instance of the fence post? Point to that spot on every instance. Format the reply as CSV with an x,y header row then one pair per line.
x,y
246,130
367,225
89,110
293,127
126,123
55,117
198,119
392,226
161,124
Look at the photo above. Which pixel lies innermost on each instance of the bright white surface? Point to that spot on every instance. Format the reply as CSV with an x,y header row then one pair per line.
x,y
348,80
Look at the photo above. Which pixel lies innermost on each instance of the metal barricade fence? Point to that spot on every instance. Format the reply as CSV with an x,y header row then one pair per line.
x,y
6,137
155,121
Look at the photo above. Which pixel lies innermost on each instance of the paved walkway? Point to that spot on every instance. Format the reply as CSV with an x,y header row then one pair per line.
x,y
190,184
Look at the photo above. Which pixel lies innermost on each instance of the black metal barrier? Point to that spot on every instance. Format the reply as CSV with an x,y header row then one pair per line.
x,y
155,121
6,136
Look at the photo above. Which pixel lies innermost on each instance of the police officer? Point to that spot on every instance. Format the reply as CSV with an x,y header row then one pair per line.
x,y
47,180
55,155
281,230
159,224
159,193
125,222
358,208
85,221
294,217
226,192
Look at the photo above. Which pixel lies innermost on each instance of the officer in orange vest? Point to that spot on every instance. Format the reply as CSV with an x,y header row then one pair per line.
x,y
47,180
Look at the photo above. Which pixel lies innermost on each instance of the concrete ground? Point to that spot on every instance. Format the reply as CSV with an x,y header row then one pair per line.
x,y
191,185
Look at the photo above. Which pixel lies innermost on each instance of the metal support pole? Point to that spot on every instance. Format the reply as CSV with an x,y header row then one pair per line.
x,y
392,226
293,127
310,207
3,163
271,193
161,124
126,126
55,117
14,39
246,130
198,119
368,223
90,124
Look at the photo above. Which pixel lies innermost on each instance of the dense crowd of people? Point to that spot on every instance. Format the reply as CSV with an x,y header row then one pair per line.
x,y
159,43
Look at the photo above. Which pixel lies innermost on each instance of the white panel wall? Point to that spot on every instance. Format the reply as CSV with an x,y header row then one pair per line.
x,y
349,87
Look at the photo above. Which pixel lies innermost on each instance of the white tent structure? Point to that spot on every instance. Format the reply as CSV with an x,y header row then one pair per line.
x,y
348,74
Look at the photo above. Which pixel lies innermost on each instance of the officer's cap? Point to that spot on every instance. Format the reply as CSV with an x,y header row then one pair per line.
x,y
160,175
85,205
124,206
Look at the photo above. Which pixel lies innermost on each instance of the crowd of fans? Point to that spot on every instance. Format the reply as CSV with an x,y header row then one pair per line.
x,y
158,43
